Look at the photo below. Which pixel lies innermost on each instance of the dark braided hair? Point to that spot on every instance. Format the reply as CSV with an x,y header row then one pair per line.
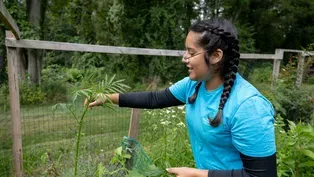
x,y
221,34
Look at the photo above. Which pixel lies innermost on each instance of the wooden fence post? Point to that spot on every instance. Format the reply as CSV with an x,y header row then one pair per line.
x,y
276,66
300,70
13,55
134,123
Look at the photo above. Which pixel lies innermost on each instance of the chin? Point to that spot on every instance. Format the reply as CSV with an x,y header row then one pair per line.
x,y
192,77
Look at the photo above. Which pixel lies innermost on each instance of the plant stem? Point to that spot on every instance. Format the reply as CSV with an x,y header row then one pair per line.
x,y
78,138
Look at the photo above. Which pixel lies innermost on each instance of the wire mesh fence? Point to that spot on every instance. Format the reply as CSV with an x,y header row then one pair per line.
x,y
48,139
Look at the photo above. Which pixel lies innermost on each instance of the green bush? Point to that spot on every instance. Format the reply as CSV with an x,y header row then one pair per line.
x,y
310,79
31,94
295,149
74,75
165,137
296,104
54,83
262,74
291,102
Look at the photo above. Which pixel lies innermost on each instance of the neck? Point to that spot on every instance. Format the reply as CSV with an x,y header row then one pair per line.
x,y
214,82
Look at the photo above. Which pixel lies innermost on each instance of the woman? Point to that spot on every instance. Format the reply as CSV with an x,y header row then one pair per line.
x,y
230,123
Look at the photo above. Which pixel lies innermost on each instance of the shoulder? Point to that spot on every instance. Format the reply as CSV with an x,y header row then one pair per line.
x,y
244,94
182,88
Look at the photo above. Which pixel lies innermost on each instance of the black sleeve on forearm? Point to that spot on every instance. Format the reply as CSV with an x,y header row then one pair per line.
x,y
252,167
149,100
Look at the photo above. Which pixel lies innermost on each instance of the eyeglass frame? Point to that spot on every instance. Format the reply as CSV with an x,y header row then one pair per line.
x,y
186,59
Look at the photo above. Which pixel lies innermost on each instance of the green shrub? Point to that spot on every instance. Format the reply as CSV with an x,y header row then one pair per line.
x,y
53,83
165,137
310,79
295,149
31,94
74,75
291,102
262,74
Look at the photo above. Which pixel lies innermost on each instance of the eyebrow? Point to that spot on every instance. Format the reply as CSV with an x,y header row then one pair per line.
x,y
190,49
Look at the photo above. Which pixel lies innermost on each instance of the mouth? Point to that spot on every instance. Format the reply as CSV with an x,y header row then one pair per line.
x,y
190,69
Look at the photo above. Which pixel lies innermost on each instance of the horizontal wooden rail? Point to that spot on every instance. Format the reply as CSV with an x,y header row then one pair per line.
x,y
64,46
8,21
304,53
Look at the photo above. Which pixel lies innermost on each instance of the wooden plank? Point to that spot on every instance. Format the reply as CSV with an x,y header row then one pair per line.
x,y
134,123
300,70
305,53
276,69
64,46
276,66
8,21
15,111
257,56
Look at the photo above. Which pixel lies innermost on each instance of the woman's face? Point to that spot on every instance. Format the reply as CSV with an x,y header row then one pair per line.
x,y
194,56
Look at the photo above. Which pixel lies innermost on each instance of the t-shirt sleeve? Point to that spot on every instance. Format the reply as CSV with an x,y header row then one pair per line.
x,y
179,89
252,128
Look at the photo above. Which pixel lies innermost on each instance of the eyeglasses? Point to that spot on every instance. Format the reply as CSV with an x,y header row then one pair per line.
x,y
186,59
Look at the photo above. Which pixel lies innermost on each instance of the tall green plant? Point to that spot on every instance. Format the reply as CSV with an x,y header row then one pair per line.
x,y
107,86
295,149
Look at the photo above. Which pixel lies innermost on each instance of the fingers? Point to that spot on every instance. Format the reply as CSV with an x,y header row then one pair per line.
x,y
172,170
97,102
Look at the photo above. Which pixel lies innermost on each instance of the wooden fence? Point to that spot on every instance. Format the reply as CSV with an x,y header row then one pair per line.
x,y
13,42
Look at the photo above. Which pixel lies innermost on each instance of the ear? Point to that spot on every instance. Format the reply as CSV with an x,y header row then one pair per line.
x,y
216,56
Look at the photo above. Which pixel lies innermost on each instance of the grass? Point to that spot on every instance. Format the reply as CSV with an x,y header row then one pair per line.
x,y
49,139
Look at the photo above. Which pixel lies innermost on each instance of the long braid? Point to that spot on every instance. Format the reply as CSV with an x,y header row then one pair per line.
x,y
230,68
194,96
212,38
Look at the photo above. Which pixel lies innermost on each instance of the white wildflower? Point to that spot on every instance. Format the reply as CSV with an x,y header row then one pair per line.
x,y
181,124
181,107
165,122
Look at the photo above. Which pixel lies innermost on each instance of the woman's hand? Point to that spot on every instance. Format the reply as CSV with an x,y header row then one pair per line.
x,y
188,172
100,100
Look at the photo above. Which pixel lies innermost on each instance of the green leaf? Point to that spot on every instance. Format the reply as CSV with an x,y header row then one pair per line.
x,y
100,170
308,153
307,164
118,151
289,161
127,156
134,173
152,170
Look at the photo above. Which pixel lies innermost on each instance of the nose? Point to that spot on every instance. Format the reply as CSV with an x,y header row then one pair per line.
x,y
183,60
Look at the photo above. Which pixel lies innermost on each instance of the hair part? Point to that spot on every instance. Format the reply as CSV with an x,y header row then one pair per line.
x,y
221,34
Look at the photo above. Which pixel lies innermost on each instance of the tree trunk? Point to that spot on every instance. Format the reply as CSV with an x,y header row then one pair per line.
x,y
36,14
34,66
21,64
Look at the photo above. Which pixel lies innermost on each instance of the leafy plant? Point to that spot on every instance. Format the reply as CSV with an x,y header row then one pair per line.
x,y
31,93
295,155
168,143
108,86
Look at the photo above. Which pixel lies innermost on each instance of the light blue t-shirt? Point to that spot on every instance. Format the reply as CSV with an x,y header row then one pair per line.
x,y
247,124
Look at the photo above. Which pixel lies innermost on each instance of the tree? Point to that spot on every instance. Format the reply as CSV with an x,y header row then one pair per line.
x,y
36,15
